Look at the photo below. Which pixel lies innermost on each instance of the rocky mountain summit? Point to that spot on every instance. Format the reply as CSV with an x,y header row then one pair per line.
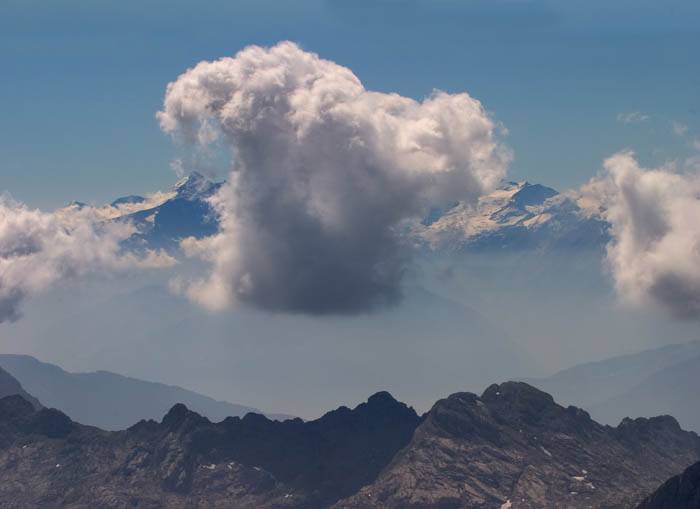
x,y
514,447
510,447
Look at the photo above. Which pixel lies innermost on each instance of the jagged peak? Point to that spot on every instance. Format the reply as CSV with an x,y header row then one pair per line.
x,y
195,185
180,414
642,425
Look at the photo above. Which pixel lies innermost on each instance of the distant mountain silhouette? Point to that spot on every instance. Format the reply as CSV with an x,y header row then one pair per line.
x,y
658,381
511,447
108,400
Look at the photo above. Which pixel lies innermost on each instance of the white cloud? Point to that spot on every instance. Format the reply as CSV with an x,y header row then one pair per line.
x,y
678,128
654,254
39,250
634,117
323,171
107,212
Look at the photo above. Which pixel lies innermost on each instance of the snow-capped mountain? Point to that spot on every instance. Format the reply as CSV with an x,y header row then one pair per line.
x,y
515,216
182,213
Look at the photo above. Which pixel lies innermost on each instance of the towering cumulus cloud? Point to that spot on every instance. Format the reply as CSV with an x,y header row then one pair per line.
x,y
323,171
38,250
655,251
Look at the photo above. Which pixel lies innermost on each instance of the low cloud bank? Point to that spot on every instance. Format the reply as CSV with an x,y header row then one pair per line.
x,y
323,172
39,250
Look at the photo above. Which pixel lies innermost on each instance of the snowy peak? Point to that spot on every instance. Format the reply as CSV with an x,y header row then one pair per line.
x,y
195,185
514,216
531,194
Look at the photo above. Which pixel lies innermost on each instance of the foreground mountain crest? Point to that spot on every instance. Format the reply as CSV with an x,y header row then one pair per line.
x,y
514,446
511,445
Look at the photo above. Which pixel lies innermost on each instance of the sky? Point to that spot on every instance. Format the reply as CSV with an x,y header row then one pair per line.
x,y
375,111
572,82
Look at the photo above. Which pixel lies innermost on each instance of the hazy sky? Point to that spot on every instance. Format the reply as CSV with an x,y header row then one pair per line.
x,y
573,82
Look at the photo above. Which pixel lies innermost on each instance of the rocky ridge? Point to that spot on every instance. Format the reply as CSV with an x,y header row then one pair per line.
x,y
188,461
511,447
515,447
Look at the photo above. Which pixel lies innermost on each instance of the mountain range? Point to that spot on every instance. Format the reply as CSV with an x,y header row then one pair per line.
x,y
511,447
104,399
516,216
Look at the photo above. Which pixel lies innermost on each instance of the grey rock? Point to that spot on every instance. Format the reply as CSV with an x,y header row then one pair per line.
x,y
514,447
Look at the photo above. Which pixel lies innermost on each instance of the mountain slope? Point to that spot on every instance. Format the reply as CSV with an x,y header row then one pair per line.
x,y
673,390
680,492
186,214
187,461
108,400
9,386
514,447
652,382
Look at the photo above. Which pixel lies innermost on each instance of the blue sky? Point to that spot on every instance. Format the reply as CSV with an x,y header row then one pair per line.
x,y
81,80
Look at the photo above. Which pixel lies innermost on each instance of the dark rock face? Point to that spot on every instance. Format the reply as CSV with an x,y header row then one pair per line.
x,y
187,461
514,447
679,492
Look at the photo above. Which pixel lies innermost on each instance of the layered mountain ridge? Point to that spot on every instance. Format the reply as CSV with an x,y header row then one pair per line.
x,y
10,386
652,382
105,399
513,446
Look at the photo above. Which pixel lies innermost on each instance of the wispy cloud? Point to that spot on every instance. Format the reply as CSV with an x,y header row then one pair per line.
x,y
634,117
678,128
324,172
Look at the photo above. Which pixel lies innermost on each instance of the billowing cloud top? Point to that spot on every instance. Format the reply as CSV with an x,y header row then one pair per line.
x,y
39,249
322,172
655,249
